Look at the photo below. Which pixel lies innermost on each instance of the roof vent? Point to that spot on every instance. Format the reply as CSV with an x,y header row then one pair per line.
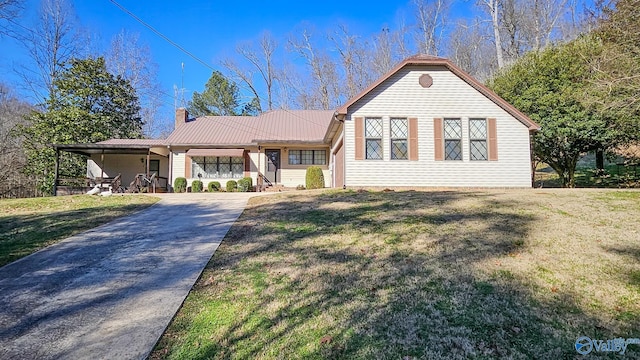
x,y
425,80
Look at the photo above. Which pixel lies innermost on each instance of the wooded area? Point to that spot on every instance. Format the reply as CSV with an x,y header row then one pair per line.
x,y
571,67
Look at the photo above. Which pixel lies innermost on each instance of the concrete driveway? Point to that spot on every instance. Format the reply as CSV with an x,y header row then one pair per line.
x,y
110,292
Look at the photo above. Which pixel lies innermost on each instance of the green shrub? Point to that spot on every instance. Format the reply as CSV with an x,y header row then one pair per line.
x,y
180,185
314,178
242,186
245,184
232,185
214,186
196,186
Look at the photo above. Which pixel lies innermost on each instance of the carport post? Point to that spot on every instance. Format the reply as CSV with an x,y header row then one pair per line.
x,y
148,159
101,167
259,172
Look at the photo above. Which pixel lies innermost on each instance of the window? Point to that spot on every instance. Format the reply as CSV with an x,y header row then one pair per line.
x,y
452,139
307,157
399,135
154,167
217,167
478,139
373,138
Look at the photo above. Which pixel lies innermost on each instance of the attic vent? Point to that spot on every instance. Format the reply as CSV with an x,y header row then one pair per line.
x,y
425,80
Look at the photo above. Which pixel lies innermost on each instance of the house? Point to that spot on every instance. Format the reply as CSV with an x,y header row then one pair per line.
x,y
279,144
424,123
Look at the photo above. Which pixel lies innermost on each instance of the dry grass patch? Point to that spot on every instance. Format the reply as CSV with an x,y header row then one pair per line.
x,y
440,274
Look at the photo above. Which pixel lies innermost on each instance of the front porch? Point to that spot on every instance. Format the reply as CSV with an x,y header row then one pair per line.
x,y
125,165
270,165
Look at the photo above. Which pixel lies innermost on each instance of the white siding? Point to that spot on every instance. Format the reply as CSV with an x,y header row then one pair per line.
x,y
287,176
295,177
401,95
178,165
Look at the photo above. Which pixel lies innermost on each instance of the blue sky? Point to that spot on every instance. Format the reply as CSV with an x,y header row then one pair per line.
x,y
211,29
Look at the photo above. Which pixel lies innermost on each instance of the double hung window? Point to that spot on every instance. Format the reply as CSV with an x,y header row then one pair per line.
x,y
452,139
399,136
478,139
373,138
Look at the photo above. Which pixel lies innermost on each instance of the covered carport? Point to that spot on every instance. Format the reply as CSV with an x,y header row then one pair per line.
x,y
128,157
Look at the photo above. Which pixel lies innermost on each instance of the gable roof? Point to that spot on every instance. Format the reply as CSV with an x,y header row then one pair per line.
x,y
295,126
434,60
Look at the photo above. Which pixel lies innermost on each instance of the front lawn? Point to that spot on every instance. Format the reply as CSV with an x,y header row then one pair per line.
x,y
406,275
28,225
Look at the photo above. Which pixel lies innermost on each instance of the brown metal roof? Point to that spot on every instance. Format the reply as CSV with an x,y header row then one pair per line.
x,y
216,152
434,60
145,142
271,126
88,149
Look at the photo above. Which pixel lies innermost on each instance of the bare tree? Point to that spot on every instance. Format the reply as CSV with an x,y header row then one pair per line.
x,y
132,60
471,49
354,58
9,9
50,44
402,48
431,23
12,157
493,8
383,58
519,26
574,22
514,42
389,47
542,20
324,92
262,62
293,93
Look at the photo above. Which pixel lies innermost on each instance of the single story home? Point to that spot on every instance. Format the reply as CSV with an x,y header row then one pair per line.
x,y
424,123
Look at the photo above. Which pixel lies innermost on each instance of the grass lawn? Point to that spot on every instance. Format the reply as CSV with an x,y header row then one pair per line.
x,y
406,275
586,176
28,225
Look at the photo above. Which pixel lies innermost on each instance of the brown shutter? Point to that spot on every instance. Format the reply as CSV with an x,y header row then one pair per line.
x,y
247,164
359,125
493,140
187,166
413,138
437,140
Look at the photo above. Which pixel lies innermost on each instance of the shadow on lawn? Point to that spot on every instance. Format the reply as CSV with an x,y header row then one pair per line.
x,y
403,278
632,253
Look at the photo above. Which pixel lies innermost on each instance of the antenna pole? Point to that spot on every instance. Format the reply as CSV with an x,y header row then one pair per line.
x,y
182,88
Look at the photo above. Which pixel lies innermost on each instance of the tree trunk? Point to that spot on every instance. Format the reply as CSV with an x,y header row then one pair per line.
x,y
600,159
495,22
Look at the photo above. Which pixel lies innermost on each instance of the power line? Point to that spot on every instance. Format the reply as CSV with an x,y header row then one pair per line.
x,y
200,61
162,35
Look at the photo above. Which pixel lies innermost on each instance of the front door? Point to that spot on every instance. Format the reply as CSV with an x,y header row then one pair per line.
x,y
273,165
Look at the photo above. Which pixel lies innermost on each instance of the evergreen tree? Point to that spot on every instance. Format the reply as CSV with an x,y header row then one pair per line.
x,y
88,105
549,86
220,97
